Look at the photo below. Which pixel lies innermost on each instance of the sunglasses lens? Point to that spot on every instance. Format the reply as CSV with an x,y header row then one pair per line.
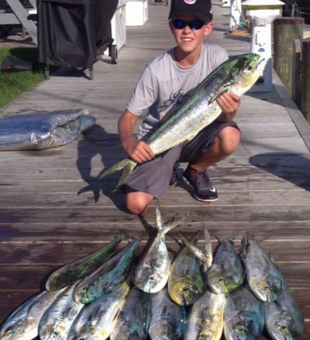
x,y
193,25
179,24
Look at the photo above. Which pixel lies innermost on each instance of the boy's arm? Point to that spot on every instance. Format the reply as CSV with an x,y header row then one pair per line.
x,y
229,103
136,150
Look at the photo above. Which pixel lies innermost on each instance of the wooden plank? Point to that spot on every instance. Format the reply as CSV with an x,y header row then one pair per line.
x,y
182,197
101,214
20,233
265,182
62,252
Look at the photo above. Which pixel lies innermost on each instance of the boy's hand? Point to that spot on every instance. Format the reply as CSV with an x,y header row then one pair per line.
x,y
229,103
137,150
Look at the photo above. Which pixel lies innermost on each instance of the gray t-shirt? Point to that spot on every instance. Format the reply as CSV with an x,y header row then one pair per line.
x,y
164,84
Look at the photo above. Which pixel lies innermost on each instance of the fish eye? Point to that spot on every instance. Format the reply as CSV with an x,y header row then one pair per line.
x,y
250,68
241,330
163,333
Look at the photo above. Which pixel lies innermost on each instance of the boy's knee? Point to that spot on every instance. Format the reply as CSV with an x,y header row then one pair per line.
x,y
137,203
229,139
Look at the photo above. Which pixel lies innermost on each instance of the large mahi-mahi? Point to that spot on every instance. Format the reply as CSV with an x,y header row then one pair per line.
x,y
236,75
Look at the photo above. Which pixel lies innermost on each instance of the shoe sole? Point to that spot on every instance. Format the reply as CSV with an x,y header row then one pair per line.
x,y
210,200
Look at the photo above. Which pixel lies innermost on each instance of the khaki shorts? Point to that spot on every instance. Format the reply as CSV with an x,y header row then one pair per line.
x,y
153,177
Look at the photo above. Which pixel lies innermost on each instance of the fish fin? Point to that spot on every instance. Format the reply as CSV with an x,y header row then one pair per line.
x,y
218,94
127,165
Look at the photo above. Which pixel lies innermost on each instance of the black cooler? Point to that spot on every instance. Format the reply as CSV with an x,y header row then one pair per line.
x,y
73,32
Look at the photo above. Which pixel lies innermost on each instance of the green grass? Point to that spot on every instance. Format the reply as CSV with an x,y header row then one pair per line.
x,y
14,84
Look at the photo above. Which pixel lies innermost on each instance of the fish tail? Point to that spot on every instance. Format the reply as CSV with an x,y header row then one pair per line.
x,y
126,165
197,252
194,239
208,247
250,237
173,222
230,238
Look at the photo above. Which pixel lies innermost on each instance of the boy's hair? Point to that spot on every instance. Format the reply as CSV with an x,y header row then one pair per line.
x,y
202,9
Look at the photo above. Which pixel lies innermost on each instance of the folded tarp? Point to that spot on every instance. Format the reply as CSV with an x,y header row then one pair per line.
x,y
37,131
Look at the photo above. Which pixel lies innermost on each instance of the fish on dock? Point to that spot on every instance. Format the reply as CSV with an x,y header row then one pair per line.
x,y
168,320
58,318
284,320
244,315
226,272
23,323
97,320
206,318
72,272
263,276
104,279
133,320
152,271
186,282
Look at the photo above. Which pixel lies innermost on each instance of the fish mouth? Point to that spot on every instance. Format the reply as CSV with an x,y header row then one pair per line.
x,y
261,64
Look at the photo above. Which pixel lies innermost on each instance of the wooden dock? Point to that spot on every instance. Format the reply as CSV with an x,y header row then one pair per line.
x,y
54,210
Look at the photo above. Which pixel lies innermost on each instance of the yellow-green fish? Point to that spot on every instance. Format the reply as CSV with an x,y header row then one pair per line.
x,y
72,272
97,320
102,281
186,282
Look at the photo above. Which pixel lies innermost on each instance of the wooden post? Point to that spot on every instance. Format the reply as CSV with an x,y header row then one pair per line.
x,y
305,80
296,69
285,31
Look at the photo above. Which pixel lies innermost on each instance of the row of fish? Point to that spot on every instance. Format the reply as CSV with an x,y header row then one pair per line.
x,y
106,294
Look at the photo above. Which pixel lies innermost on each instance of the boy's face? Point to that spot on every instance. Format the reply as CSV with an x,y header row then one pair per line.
x,y
189,40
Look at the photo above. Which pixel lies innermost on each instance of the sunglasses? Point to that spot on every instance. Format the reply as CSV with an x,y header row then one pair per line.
x,y
194,25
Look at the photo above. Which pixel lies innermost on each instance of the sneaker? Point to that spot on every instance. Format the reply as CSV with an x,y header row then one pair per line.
x,y
204,191
174,176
